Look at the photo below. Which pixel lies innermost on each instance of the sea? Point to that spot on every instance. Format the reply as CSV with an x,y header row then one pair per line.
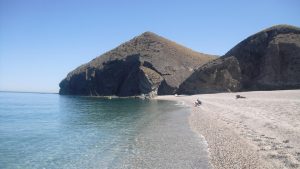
x,y
50,131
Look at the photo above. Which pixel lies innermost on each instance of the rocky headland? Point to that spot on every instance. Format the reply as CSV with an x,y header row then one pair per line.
x,y
152,65
148,64
267,60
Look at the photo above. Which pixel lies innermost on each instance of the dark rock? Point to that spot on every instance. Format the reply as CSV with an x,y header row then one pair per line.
x,y
147,64
222,74
270,59
150,81
267,60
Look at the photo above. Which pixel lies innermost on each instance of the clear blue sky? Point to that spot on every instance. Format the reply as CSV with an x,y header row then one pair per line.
x,y
42,40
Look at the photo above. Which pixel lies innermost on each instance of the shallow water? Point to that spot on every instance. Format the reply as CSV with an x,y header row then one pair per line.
x,y
52,131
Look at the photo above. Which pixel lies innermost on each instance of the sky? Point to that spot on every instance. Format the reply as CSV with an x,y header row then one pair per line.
x,y
42,40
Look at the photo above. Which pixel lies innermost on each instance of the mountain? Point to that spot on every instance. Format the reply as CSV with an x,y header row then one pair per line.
x,y
267,60
147,64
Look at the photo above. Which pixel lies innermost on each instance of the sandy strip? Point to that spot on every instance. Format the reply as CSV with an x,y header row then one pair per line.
x,y
261,131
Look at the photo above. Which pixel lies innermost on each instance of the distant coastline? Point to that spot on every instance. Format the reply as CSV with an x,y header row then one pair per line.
x,y
28,92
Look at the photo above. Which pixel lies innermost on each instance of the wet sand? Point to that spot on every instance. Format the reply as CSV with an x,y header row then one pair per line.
x,y
260,131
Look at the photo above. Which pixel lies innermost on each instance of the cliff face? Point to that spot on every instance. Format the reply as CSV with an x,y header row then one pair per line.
x,y
267,60
270,59
222,74
147,64
150,64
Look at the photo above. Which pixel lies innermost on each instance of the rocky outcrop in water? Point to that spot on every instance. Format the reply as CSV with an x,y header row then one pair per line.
x,y
267,60
147,64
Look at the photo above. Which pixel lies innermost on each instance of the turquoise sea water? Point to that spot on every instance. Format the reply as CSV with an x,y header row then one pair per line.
x,y
52,131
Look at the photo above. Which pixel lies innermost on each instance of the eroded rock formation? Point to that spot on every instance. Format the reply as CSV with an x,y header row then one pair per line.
x,y
152,65
147,64
267,60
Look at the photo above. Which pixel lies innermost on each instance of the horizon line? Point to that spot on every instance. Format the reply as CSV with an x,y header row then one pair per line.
x,y
12,91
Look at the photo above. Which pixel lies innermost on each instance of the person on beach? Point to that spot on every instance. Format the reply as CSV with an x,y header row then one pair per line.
x,y
198,103
239,97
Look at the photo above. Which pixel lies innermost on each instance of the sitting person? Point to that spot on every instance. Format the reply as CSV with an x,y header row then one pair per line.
x,y
198,103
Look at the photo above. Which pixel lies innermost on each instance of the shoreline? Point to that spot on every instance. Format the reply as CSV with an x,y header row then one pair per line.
x,y
260,131
166,141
